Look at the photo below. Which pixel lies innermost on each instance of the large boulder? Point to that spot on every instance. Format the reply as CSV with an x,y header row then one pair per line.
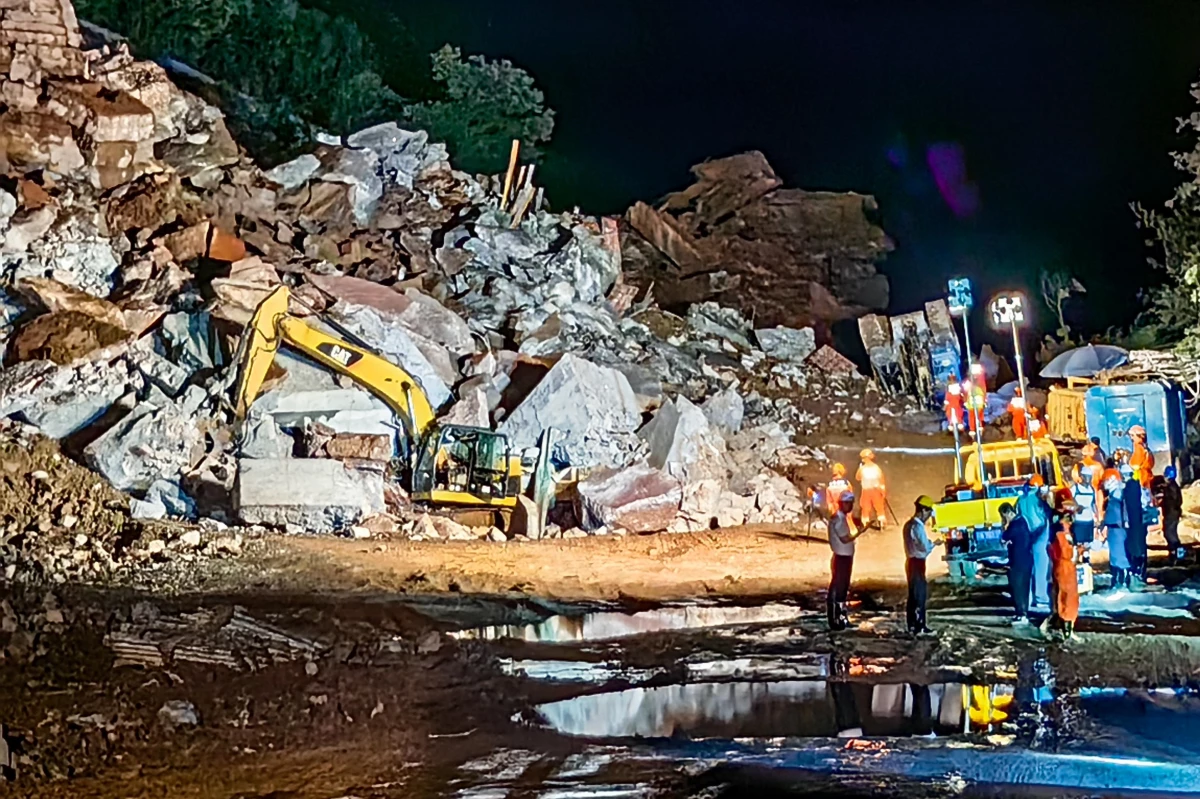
x,y
593,408
317,494
639,498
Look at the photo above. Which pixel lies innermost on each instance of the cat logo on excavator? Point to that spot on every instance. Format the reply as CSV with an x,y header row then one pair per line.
x,y
338,353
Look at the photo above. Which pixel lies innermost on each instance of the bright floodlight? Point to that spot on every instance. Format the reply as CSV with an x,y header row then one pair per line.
x,y
1008,310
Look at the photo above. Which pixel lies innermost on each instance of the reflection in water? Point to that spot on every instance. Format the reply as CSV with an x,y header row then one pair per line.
x,y
800,708
602,626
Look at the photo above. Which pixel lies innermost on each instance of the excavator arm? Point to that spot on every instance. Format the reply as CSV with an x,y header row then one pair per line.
x,y
272,325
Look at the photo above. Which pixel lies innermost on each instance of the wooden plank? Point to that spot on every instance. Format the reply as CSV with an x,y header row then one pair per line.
x,y
512,170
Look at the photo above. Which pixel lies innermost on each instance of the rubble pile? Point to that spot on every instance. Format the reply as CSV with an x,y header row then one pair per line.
x,y
782,256
137,241
60,522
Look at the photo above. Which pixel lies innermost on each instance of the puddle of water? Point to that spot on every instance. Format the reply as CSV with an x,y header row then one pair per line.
x,y
609,625
796,708
575,671
803,667
1155,721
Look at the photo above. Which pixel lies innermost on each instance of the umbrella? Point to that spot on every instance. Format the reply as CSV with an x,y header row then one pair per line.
x,y
1085,361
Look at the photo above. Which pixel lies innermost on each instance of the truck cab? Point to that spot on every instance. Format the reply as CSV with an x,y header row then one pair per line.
x,y
968,517
1159,408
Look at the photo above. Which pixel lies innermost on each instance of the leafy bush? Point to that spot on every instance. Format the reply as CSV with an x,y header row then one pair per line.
x,y
283,70
486,105
1173,311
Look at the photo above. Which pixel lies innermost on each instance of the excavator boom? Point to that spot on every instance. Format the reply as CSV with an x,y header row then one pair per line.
x,y
271,326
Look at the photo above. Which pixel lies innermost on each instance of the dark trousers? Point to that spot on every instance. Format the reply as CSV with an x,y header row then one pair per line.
x,y
918,593
840,568
1171,533
1020,578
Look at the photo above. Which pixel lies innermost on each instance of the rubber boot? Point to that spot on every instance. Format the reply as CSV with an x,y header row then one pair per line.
x,y
1068,630
1118,579
844,615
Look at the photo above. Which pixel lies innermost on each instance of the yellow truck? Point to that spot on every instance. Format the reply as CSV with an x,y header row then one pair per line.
x,y
968,517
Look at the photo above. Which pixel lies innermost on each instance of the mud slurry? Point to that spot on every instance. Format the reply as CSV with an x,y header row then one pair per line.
x,y
451,696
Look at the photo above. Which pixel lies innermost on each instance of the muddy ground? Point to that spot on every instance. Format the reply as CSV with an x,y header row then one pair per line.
x,y
322,667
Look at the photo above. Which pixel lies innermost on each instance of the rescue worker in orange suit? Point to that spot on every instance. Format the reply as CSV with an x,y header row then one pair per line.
x,y
976,401
1066,580
838,485
954,405
1142,459
873,499
1020,425
1037,427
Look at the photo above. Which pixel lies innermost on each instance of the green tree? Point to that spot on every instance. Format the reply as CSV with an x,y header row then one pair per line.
x,y
283,71
486,104
1173,312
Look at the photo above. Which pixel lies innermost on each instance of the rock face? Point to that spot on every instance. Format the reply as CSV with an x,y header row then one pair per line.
x,y
781,256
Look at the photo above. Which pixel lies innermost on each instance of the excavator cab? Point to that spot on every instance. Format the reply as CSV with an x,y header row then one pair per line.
x,y
462,465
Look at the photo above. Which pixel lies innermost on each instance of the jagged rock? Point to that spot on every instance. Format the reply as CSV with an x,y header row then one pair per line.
x,y
263,439
786,343
402,154
639,498
148,445
359,169
295,173
790,257
682,443
593,409
61,401
317,494
191,340
725,410
471,410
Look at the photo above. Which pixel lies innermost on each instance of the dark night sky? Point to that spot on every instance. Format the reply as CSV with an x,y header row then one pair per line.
x,y
1065,112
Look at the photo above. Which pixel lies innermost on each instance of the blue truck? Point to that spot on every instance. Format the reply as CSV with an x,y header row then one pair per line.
x,y
1159,407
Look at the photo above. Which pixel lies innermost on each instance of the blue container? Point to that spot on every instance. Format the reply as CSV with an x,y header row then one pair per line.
x,y
1112,410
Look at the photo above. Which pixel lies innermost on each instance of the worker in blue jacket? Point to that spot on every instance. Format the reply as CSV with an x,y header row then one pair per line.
x,y
1032,507
1135,541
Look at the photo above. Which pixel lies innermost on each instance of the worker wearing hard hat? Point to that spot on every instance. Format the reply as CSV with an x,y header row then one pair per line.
x,y
873,503
917,547
976,399
953,405
1142,459
838,485
842,532
1020,425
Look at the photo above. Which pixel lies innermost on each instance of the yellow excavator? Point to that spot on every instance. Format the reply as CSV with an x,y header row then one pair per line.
x,y
451,465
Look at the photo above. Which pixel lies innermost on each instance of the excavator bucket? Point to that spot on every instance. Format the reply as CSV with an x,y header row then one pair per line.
x,y
259,344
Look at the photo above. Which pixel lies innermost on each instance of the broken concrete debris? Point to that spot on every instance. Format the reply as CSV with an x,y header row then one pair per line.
x,y
137,242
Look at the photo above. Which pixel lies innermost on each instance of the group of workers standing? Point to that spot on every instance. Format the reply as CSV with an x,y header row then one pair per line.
x,y
844,528
1048,536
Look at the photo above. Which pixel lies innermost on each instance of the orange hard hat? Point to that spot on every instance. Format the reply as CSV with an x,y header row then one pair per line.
x,y
866,455
1137,430
1037,481
839,470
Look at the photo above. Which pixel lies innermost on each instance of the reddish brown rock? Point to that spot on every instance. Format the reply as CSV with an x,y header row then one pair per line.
x,y
781,256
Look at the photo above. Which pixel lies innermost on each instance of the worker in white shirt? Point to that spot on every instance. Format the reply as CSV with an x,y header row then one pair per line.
x,y
874,492
842,532
917,547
